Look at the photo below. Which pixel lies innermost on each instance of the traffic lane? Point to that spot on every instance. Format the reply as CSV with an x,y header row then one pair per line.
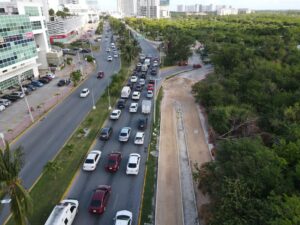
x,y
148,48
82,190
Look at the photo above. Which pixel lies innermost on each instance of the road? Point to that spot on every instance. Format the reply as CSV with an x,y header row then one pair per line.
x,y
42,141
126,190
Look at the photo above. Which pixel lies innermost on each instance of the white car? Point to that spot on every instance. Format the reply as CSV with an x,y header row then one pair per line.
x,y
51,75
115,114
149,94
116,55
139,138
92,160
142,81
133,79
109,58
2,107
124,134
84,93
155,63
133,164
136,95
133,107
107,49
123,217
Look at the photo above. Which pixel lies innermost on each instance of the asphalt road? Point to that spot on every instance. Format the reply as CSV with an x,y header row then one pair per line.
x,y
42,142
126,190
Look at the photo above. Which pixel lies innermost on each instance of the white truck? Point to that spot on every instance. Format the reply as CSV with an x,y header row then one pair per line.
x,y
146,106
125,93
147,61
144,68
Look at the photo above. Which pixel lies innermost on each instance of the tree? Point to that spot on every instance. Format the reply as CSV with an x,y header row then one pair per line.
x,y
66,10
75,77
11,163
51,12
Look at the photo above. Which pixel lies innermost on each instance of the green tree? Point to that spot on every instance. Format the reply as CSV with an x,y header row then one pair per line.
x,y
11,163
75,77
51,12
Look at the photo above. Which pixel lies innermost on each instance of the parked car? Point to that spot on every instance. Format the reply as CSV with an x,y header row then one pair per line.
x,y
100,74
136,95
44,80
133,107
197,66
121,103
114,161
124,134
2,108
142,123
5,102
84,93
92,160
133,164
139,138
100,199
51,75
30,86
105,133
18,94
123,217
86,51
37,83
47,78
10,97
61,83
115,114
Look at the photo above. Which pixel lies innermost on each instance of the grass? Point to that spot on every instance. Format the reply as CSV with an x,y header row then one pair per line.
x,y
54,181
149,188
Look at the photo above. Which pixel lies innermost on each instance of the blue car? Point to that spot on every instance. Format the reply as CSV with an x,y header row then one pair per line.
x,y
36,83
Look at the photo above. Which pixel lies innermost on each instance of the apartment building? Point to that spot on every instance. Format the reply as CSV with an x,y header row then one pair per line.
x,y
127,8
164,8
148,8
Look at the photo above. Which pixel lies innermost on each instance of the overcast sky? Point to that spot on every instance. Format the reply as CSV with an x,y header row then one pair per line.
x,y
253,4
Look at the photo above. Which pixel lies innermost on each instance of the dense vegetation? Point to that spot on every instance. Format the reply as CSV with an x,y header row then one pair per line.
x,y
252,102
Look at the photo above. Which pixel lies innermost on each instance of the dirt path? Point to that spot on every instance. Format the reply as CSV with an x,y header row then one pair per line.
x,y
179,113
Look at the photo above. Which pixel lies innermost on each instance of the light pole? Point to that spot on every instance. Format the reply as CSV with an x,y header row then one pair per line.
x,y
26,101
91,50
109,106
93,100
2,137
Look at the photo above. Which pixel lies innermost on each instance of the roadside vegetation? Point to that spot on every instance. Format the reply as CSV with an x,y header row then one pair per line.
x,y
252,103
148,204
59,172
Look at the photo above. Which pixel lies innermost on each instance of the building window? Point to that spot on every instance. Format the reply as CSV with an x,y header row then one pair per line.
x,y
31,11
36,25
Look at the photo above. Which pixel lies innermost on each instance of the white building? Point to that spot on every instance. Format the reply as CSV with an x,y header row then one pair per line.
x,y
148,8
127,8
227,11
245,11
89,15
180,8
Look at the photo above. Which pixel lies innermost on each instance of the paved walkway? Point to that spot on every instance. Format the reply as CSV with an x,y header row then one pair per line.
x,y
182,144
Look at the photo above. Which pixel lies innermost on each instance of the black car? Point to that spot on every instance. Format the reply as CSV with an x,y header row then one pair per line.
x,y
143,75
151,81
121,104
11,98
30,87
85,51
142,123
61,83
154,71
105,133
138,87
44,80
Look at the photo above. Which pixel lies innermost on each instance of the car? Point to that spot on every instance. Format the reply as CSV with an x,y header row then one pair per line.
x,y
30,86
139,138
86,51
10,97
84,92
133,79
133,164
142,81
109,58
107,49
114,161
149,94
51,75
112,44
197,66
100,74
133,107
143,75
115,114
116,55
91,160
155,63
123,217
44,80
142,123
26,90
61,83
18,94
150,87
47,78
124,134
2,108
151,81
121,103
136,95
5,102
37,83
105,133
138,87
100,199
154,71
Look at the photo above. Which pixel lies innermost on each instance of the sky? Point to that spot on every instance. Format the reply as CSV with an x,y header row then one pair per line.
x,y
252,4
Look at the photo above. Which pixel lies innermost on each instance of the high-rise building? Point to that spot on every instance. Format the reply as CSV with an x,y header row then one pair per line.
x,y
180,8
148,8
92,4
164,8
127,8
23,41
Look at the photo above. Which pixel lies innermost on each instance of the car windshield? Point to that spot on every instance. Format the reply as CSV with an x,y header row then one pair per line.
x,y
123,217
96,203
123,134
89,161
84,91
131,165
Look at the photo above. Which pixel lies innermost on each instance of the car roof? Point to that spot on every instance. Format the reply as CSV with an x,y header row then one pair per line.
x,y
114,155
116,110
133,158
139,134
106,128
85,89
133,103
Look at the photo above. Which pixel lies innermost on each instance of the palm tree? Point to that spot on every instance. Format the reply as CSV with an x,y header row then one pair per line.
x,y
11,163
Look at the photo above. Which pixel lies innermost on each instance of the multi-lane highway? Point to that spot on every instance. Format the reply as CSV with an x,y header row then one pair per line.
x,y
42,142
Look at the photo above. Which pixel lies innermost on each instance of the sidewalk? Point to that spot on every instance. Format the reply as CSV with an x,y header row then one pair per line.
x,y
15,119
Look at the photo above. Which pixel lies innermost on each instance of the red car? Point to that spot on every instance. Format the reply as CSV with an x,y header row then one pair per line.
x,y
100,198
197,66
114,161
150,87
100,74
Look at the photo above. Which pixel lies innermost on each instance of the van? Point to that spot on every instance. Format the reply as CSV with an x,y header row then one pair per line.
x,y
64,213
125,92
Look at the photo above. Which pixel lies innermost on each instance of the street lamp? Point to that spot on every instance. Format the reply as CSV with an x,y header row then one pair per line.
x,y
2,137
93,100
109,106
26,101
